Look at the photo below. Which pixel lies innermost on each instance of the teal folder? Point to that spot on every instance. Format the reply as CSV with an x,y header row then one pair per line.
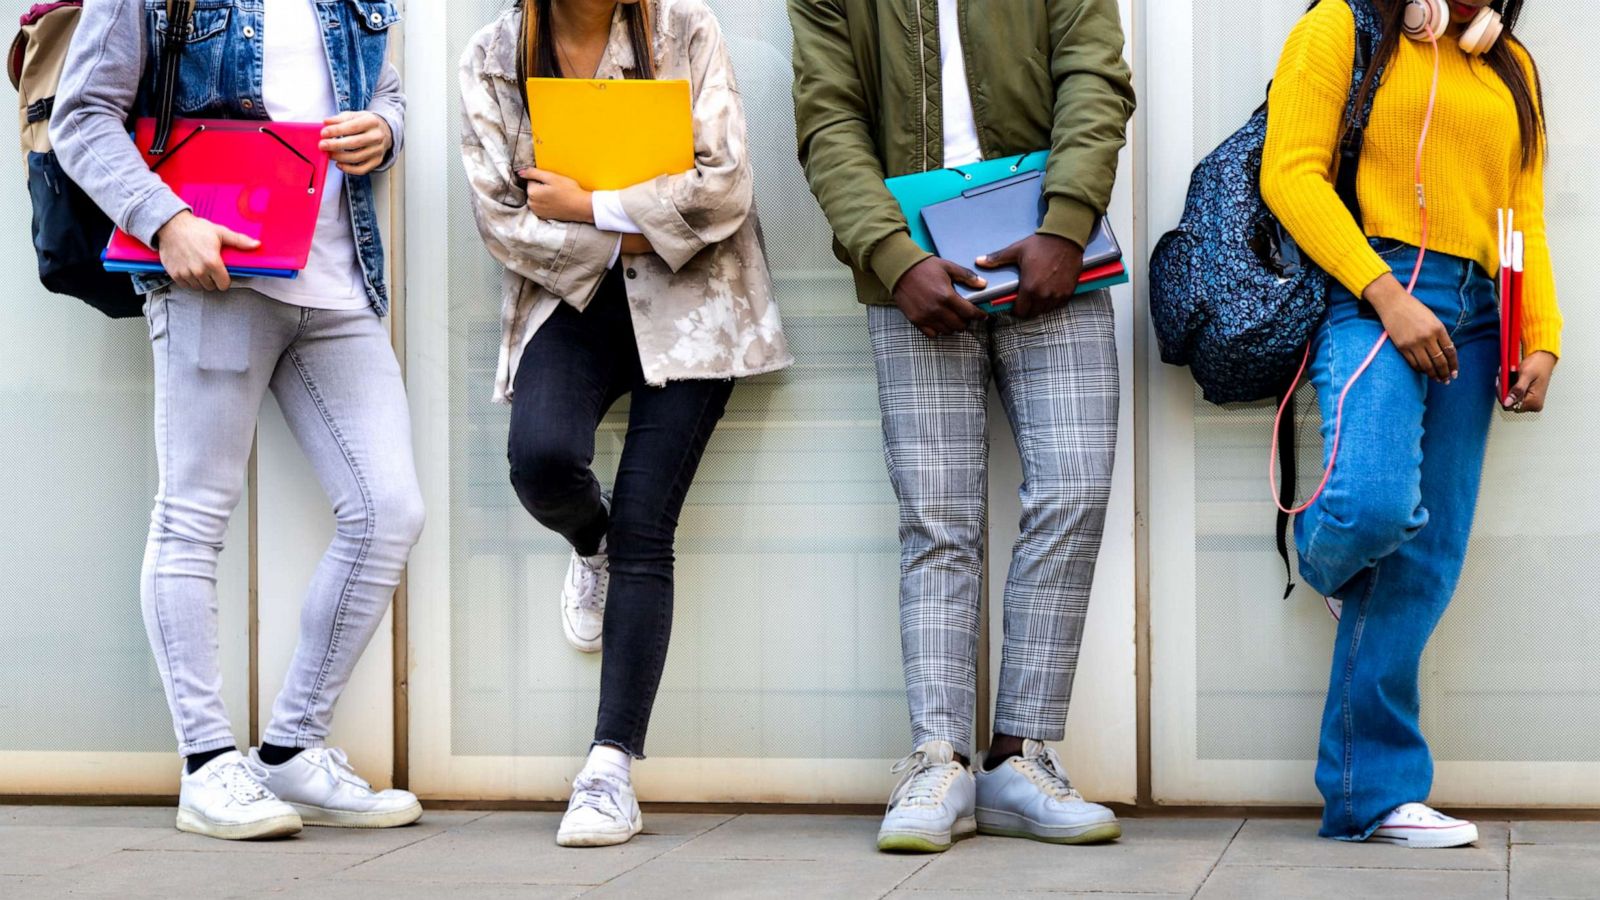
x,y
924,189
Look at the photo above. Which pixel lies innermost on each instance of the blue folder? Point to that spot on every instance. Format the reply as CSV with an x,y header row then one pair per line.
x,y
923,189
984,219
154,268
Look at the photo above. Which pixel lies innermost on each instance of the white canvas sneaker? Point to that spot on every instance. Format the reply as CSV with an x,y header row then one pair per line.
x,y
226,799
324,790
931,808
603,812
583,600
1029,796
1422,827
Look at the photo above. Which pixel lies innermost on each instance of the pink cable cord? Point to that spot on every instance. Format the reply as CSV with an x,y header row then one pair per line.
x,y
1416,272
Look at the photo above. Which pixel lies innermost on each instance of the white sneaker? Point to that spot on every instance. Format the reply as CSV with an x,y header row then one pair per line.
x,y
324,790
1419,826
1029,796
583,600
931,807
602,812
227,799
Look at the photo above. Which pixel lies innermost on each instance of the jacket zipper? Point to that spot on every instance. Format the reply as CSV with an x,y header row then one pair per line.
x,y
922,62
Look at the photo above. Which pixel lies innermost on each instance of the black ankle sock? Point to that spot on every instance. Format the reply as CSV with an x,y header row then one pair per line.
x,y
990,763
273,755
193,763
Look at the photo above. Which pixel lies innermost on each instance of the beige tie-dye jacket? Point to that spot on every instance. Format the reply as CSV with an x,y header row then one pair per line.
x,y
702,303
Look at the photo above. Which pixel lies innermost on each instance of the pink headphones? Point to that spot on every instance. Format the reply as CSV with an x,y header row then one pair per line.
x,y
1429,19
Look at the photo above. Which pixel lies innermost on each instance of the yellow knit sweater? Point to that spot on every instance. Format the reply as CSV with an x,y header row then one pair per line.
x,y
1472,164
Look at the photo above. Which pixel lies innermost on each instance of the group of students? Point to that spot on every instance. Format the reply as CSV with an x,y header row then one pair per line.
x,y
661,293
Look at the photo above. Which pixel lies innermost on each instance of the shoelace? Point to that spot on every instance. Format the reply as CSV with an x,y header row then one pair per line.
x,y
243,780
1048,772
597,792
336,763
1419,812
593,577
922,784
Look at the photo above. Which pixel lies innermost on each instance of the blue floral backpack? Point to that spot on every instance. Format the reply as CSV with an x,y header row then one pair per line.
x,y
1231,296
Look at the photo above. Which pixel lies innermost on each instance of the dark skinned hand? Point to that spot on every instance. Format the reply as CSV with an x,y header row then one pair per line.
x,y
927,295
1533,382
1050,267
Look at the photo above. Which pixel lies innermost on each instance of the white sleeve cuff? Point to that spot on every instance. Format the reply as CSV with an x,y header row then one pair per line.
x,y
610,216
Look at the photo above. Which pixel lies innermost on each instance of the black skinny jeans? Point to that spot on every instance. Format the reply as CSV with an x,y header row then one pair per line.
x,y
575,367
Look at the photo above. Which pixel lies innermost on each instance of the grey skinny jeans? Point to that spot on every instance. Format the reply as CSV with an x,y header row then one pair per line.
x,y
336,379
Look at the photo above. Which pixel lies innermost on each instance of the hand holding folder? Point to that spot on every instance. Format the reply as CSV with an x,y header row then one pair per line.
x,y
984,220
967,213
261,179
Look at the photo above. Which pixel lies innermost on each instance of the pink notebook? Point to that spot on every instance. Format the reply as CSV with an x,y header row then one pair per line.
x,y
262,179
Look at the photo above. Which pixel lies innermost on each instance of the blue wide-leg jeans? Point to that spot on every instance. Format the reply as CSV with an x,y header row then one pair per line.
x,y
1389,535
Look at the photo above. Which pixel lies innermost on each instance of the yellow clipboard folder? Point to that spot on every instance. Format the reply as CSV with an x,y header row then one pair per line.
x,y
611,134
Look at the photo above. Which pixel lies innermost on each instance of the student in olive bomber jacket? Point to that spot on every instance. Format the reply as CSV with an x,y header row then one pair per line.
x,y
891,87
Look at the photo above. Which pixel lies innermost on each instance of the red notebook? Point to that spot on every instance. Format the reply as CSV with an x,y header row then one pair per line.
x,y
261,179
1102,276
1511,316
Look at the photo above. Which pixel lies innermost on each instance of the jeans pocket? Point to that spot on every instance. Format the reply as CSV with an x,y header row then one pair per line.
x,y
1390,249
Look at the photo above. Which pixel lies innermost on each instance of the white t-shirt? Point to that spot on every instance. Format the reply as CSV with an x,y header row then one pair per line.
x,y
961,145
297,86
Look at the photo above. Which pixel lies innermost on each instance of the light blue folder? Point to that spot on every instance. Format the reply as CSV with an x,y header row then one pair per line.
x,y
132,267
924,189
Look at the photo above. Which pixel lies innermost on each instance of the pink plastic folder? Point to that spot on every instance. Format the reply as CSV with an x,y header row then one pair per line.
x,y
261,179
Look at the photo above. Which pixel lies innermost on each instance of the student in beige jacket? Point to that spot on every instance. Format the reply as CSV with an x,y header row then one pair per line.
x,y
659,291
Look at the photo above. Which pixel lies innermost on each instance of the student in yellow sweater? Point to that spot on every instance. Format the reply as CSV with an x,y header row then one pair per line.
x,y
1385,541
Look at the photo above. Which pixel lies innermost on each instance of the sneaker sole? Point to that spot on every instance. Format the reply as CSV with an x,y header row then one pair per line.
x,y
914,842
264,830
1007,825
1438,840
599,838
336,818
576,642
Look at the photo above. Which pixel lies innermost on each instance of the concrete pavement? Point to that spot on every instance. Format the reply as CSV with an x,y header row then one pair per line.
x,y
133,853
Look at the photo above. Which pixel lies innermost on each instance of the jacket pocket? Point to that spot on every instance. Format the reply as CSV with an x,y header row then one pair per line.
x,y
376,15
205,43
374,19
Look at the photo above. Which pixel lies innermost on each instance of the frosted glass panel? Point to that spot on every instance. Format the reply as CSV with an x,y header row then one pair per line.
x,y
785,641
1509,676
79,472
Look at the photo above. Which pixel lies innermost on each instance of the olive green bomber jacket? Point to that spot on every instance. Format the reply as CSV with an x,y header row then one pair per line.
x,y
1042,74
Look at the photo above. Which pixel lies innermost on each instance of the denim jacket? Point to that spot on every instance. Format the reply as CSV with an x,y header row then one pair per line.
x,y
112,72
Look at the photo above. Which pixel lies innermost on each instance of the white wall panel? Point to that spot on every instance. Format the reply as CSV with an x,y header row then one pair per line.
x,y
1239,673
81,705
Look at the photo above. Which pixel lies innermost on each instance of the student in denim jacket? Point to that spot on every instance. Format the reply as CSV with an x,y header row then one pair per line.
x,y
318,343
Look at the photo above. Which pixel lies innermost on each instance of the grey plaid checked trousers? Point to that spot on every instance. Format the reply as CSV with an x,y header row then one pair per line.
x,y
1057,378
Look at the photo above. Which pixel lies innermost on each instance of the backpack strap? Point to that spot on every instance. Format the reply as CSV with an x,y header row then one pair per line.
x,y
1368,34
1288,475
179,15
